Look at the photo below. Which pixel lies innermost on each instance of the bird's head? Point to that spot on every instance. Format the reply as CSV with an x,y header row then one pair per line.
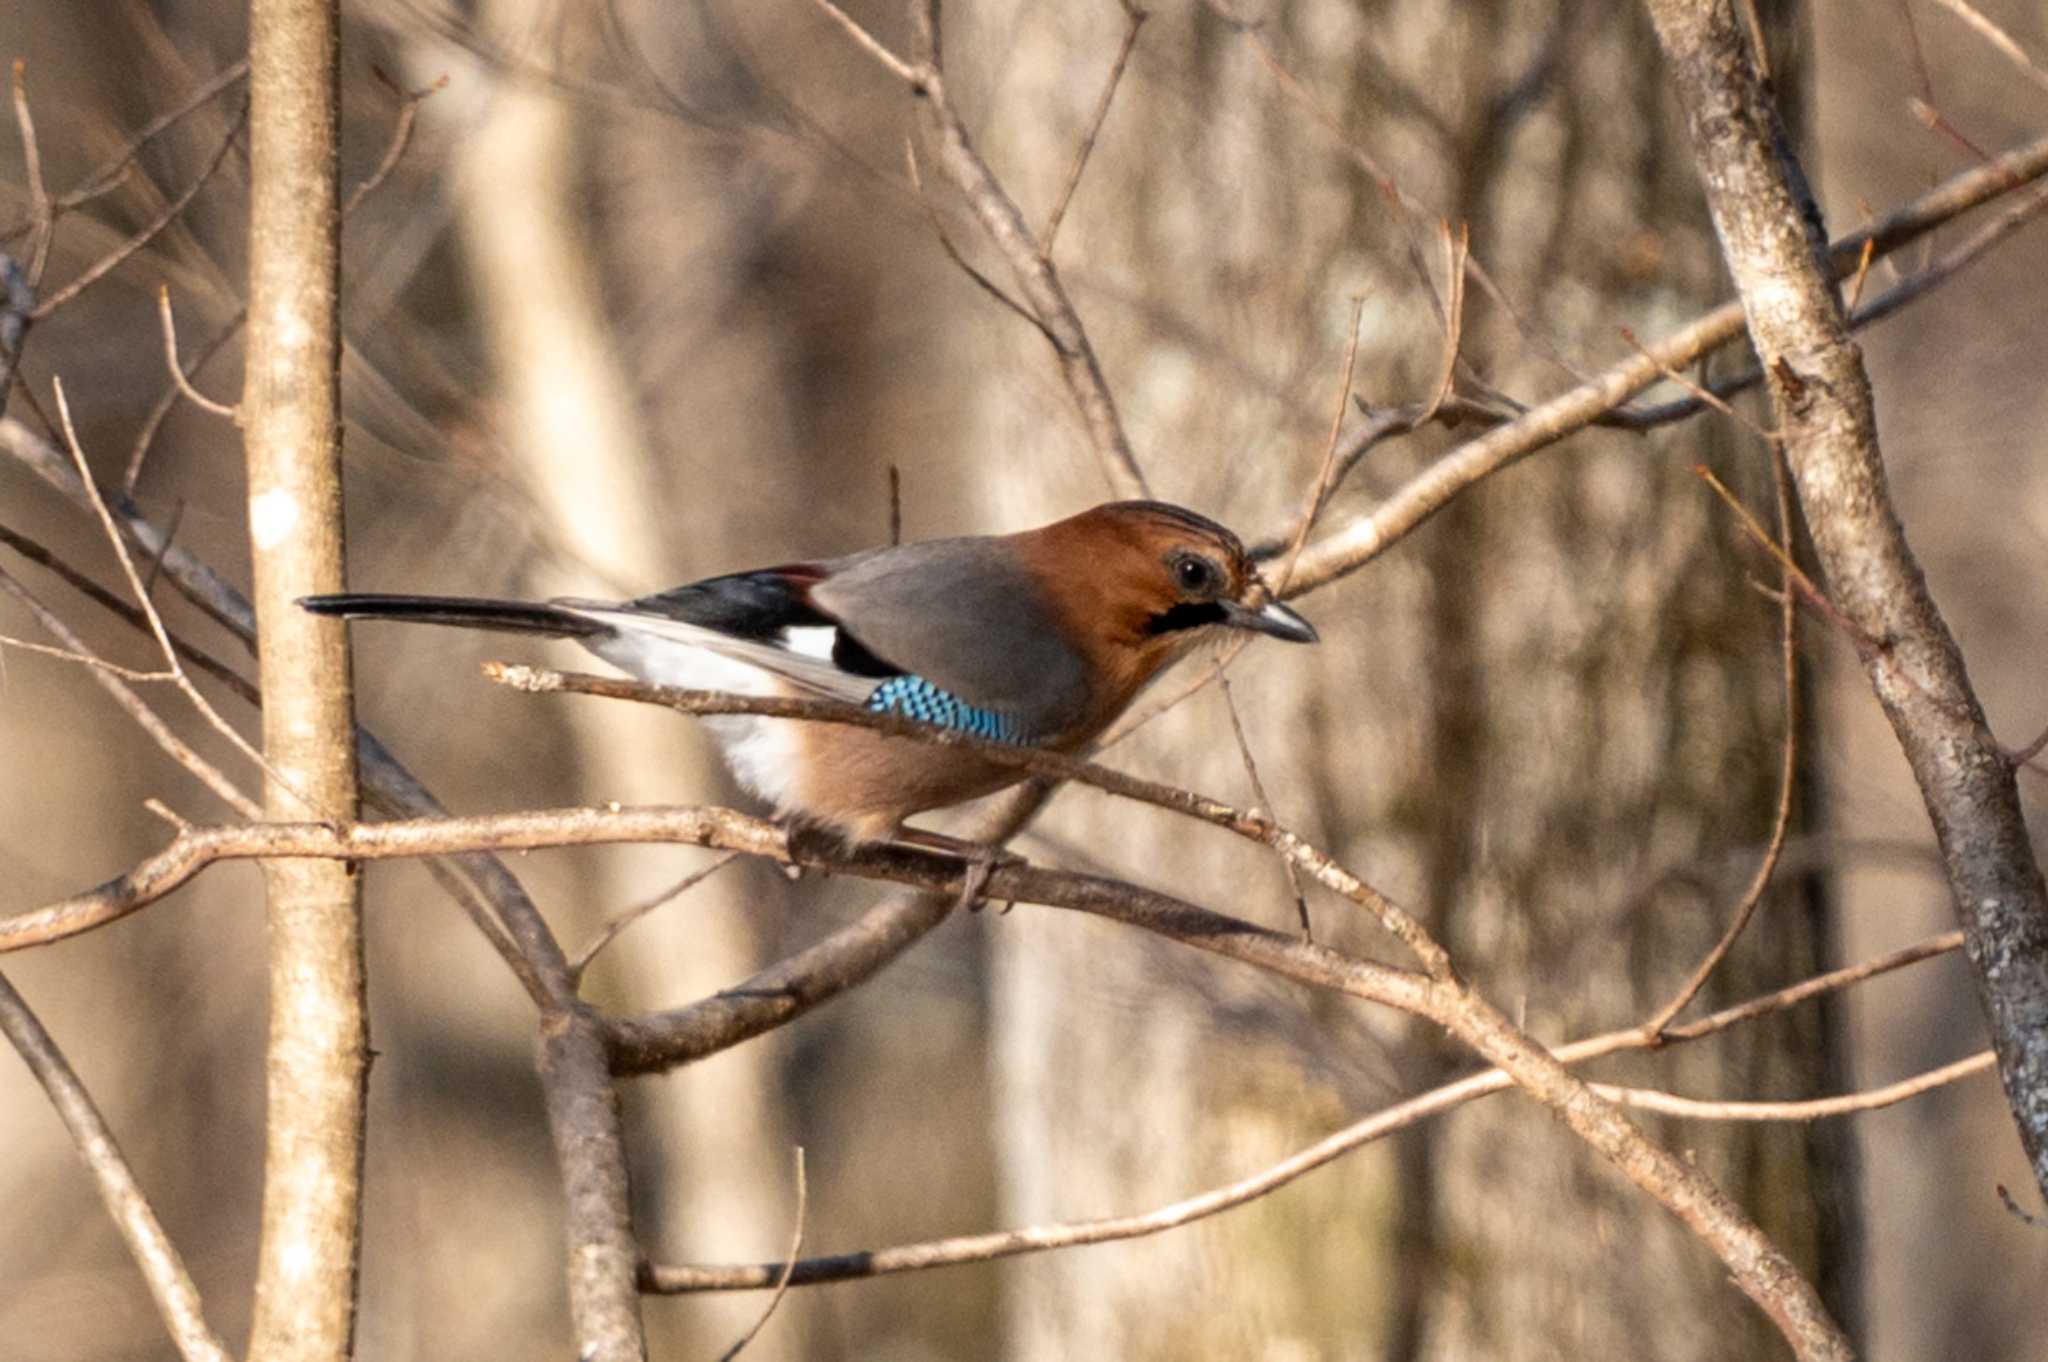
x,y
1138,583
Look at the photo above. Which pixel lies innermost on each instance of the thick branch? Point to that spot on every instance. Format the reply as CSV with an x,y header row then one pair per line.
x,y
1353,545
666,1278
1829,426
1007,231
317,1060
1758,1266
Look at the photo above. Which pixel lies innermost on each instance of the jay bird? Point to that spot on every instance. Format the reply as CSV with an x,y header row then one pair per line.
x,y
1039,638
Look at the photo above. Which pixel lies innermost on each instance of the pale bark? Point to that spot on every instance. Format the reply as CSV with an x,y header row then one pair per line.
x,y
1828,421
317,1057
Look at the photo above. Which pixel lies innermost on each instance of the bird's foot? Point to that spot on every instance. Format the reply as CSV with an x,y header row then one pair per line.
x,y
982,860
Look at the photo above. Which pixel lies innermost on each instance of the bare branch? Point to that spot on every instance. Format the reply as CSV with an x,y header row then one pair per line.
x,y
1005,228
791,987
796,1244
1251,770
111,174
1134,19
161,409
1365,538
394,150
890,62
1397,921
1811,1109
1998,38
178,379
316,1056
41,216
1788,776
150,230
1914,665
170,1285
1326,475
115,684
156,623
580,961
1757,1265
961,262
108,601
1009,1243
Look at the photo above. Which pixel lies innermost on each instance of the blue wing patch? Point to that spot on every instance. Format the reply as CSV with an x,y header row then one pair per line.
x,y
913,697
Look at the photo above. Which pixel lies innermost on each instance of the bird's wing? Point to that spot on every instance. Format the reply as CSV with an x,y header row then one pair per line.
x,y
949,611
964,616
762,621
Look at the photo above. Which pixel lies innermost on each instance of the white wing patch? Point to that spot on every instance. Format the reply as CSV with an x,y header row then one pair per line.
x,y
812,640
671,652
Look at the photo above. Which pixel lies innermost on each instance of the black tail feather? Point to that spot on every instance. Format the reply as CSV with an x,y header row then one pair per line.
x,y
464,612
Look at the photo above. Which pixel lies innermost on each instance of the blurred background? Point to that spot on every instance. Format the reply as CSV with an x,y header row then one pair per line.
x,y
650,295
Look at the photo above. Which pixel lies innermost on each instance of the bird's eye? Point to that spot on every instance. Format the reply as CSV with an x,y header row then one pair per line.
x,y
1195,576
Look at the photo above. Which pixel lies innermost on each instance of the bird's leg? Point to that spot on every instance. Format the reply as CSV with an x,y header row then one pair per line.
x,y
982,859
808,842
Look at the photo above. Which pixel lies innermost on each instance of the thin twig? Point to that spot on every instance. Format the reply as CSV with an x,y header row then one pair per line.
x,y
580,961
107,600
1002,223
2024,756
1457,251
167,402
170,1285
1134,19
1788,773
111,174
1861,276
394,150
1326,475
796,1244
1998,38
1704,396
986,284
1597,401
1251,769
156,623
82,659
112,680
1811,1109
149,231
895,65
41,216
192,394
1802,585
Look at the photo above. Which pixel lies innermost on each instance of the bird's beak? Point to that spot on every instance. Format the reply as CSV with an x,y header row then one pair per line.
x,y
1270,618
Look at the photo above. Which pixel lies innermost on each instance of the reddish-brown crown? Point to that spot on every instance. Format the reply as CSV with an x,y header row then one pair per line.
x,y
1131,584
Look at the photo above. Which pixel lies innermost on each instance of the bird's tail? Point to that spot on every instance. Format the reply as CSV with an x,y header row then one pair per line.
x,y
464,612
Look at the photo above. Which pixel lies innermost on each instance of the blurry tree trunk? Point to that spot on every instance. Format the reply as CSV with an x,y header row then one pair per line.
x,y
1562,737
317,1057
712,1165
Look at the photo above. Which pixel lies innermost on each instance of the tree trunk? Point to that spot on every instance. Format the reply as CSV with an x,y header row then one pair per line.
x,y
317,1062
